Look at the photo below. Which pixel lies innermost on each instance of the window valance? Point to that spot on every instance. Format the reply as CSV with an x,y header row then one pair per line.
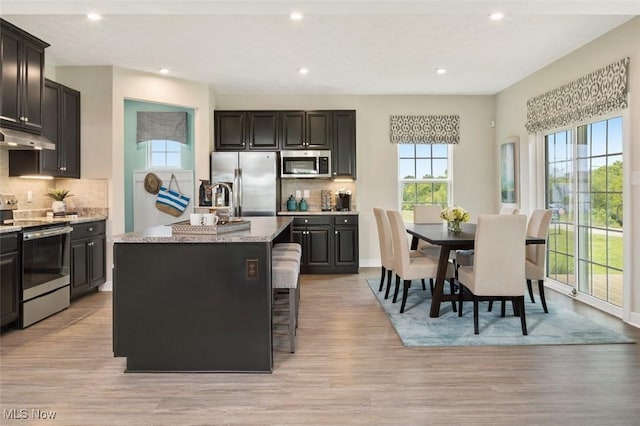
x,y
171,126
425,129
601,92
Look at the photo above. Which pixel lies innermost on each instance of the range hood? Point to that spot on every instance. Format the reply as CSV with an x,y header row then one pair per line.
x,y
15,139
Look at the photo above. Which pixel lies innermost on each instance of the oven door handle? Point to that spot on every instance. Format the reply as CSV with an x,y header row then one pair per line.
x,y
44,233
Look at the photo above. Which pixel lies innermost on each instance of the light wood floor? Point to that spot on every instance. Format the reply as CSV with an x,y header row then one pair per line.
x,y
350,368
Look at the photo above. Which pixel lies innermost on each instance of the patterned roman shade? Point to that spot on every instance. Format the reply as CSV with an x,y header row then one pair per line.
x,y
425,129
601,92
170,126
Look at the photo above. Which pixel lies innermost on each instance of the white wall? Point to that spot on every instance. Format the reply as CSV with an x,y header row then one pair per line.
x,y
376,185
621,42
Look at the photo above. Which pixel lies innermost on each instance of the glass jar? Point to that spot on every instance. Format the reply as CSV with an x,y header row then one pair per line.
x,y
454,226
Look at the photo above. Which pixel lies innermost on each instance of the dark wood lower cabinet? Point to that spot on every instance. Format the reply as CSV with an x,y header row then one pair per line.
x,y
346,245
329,243
88,257
9,278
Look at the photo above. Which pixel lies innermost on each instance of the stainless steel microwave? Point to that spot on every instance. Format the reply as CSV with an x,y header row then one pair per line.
x,y
305,164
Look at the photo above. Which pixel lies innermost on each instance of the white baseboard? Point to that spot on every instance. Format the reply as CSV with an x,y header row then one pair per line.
x,y
634,319
107,286
370,263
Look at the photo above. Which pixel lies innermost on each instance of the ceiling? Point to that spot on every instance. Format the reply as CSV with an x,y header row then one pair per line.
x,y
349,46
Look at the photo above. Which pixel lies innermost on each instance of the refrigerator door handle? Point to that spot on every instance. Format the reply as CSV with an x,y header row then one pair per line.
x,y
237,193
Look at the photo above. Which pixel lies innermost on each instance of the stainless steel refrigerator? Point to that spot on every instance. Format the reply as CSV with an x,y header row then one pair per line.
x,y
254,180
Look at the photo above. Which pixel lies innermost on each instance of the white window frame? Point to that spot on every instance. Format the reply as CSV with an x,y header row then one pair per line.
x,y
538,201
448,180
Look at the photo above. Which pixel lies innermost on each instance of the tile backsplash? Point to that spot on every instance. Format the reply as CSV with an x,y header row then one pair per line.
x,y
88,194
314,186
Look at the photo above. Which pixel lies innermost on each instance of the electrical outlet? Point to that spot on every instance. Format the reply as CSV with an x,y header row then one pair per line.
x,y
252,268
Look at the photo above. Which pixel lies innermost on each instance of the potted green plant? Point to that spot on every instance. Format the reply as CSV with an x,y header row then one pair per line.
x,y
58,195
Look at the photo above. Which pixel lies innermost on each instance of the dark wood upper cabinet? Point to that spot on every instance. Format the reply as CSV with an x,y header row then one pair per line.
x,y
333,130
263,130
61,124
246,130
22,79
62,127
230,130
293,134
70,133
343,152
306,130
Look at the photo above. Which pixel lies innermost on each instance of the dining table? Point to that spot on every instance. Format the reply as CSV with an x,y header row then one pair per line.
x,y
440,235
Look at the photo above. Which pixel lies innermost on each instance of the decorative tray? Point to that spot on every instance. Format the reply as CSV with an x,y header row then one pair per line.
x,y
220,228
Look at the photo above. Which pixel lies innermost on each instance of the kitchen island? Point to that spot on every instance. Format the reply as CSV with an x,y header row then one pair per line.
x,y
185,302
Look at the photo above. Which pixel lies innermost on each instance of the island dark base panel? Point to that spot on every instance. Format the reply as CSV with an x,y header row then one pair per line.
x,y
191,307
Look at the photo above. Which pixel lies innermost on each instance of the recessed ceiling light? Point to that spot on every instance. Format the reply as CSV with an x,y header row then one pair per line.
x,y
496,16
441,71
296,16
94,16
303,70
163,70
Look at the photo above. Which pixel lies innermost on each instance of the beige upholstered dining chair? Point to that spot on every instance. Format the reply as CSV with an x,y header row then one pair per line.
x,y
386,249
427,213
465,257
536,253
498,269
509,210
409,268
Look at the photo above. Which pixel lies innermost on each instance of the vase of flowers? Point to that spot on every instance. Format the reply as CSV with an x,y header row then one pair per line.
x,y
58,205
454,216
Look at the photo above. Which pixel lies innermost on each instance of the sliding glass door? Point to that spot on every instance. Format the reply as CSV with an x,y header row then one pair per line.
x,y
584,191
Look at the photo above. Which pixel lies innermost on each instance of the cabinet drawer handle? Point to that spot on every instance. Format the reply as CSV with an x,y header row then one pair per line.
x,y
336,232
306,221
91,229
346,220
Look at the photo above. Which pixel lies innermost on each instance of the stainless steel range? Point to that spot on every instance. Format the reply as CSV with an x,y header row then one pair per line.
x,y
45,264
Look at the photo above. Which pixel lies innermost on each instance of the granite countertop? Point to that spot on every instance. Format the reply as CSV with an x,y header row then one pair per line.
x,y
81,219
263,229
71,220
316,213
7,229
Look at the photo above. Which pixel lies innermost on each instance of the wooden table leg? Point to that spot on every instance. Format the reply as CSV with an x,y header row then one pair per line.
x,y
440,277
414,243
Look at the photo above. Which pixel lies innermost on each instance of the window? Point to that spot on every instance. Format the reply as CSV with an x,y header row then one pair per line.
x,y
423,176
164,153
584,192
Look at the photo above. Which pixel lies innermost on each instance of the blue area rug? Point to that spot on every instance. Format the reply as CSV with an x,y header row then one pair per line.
x,y
558,327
